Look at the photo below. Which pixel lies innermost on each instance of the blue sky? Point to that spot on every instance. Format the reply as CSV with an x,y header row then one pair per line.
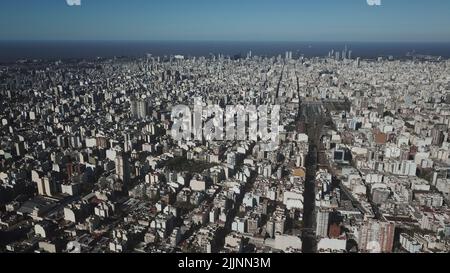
x,y
249,20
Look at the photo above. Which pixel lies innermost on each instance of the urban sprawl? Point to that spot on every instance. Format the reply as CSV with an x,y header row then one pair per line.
x,y
88,162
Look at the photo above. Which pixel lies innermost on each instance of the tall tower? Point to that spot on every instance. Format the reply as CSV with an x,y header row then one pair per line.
x,y
142,109
122,163
322,220
134,107
127,145
139,108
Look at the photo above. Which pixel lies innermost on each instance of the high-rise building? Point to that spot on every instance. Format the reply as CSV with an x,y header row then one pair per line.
x,y
122,163
322,221
376,236
40,186
139,108
46,184
127,146
270,228
358,62
49,186
288,55
437,133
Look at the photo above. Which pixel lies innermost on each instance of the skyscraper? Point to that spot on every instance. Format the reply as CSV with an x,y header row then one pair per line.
x,y
127,146
139,107
122,163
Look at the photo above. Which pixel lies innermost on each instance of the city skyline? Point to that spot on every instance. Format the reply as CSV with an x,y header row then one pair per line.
x,y
242,129
173,20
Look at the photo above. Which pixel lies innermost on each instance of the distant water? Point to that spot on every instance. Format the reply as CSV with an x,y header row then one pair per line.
x,y
14,50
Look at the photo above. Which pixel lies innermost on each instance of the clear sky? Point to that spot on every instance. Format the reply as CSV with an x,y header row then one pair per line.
x,y
249,20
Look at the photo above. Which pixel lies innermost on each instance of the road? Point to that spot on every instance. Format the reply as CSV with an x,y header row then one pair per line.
x,y
312,115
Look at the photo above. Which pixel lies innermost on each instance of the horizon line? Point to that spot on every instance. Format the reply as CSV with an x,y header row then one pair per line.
x,y
219,41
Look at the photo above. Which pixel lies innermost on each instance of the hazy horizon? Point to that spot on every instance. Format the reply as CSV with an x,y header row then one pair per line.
x,y
14,50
